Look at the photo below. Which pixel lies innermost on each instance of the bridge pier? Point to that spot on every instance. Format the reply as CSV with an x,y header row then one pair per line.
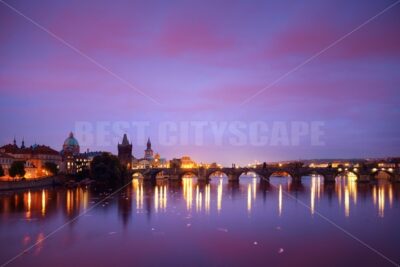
x,y
232,177
174,176
329,178
146,176
202,174
296,179
364,178
396,178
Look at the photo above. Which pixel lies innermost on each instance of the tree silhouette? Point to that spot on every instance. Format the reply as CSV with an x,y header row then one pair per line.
x,y
106,168
51,167
17,169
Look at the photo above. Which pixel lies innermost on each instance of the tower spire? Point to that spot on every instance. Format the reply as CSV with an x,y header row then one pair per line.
x,y
23,143
148,143
125,141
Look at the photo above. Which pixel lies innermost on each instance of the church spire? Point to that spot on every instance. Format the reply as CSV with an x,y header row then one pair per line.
x,y
125,141
15,141
23,143
148,143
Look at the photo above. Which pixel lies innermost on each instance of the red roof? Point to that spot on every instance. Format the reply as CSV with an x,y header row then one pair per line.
x,y
34,150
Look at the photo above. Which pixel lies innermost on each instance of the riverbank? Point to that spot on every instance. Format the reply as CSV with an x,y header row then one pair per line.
x,y
31,183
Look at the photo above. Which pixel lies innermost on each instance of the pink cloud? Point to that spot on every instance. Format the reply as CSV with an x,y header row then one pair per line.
x,y
181,36
378,38
96,30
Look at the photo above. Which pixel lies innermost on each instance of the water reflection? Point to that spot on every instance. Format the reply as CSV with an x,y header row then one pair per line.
x,y
160,198
280,200
137,185
178,212
249,198
188,192
219,195
346,187
205,197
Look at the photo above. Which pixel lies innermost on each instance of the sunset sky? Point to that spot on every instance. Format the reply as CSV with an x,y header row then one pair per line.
x,y
68,61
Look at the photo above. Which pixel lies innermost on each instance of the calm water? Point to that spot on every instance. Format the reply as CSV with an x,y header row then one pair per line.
x,y
196,224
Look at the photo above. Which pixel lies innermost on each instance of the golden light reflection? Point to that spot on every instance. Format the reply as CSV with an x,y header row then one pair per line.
x,y
85,198
254,188
198,204
219,195
338,189
188,192
160,198
352,185
138,189
200,201
28,201
381,201
207,199
70,201
156,199
280,200
316,189
249,198
164,199
44,199
346,201
312,197
347,184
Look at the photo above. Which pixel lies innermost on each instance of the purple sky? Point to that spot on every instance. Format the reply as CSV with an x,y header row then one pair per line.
x,y
200,61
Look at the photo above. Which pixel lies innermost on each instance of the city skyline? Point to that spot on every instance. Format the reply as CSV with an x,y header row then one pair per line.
x,y
190,62
199,133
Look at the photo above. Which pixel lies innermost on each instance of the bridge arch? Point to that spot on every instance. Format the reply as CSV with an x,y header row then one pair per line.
x,y
383,174
314,173
137,175
217,173
262,176
282,173
348,174
188,172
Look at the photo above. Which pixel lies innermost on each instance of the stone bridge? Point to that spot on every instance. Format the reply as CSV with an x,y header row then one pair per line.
x,y
363,174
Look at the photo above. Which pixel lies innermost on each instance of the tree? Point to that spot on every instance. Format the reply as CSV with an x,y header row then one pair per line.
x,y
51,167
106,168
85,173
17,169
1,171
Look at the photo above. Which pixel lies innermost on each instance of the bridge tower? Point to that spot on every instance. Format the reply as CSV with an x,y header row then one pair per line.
x,y
125,152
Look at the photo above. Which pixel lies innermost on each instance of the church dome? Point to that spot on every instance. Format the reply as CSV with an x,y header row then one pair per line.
x,y
71,144
71,141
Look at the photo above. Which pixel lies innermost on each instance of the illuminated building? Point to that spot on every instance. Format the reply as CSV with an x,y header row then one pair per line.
x,y
82,161
5,162
159,162
34,157
149,160
148,153
69,152
187,163
74,162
